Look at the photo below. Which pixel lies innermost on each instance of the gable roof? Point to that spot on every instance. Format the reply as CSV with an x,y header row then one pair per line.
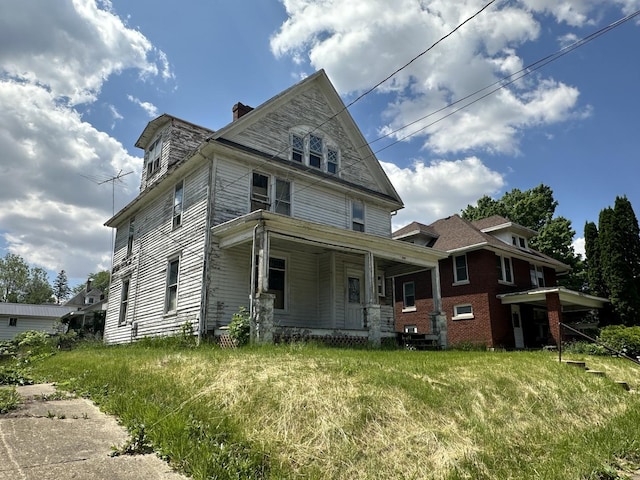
x,y
29,310
340,114
415,229
457,235
157,124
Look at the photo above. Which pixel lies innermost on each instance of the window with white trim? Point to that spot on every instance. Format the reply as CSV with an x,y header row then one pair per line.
x,y
271,194
357,215
13,322
460,272
537,275
462,312
505,269
173,276
124,302
315,151
178,204
408,296
410,329
152,156
519,241
130,235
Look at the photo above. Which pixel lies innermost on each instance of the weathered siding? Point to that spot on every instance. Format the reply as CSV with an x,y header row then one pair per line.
x,y
178,140
231,190
271,134
155,242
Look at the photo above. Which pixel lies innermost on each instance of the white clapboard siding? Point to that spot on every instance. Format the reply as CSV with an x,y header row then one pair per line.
x,y
155,243
326,289
271,134
24,324
231,190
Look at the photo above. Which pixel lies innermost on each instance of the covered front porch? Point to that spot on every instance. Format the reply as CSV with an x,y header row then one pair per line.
x,y
307,280
536,315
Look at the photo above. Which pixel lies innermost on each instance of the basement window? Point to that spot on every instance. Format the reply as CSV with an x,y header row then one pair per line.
x,y
462,312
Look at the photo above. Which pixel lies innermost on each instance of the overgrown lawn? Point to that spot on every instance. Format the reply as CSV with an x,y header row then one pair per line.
x,y
309,412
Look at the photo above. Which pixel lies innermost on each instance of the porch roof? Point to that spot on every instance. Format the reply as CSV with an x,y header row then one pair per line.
x,y
569,299
240,230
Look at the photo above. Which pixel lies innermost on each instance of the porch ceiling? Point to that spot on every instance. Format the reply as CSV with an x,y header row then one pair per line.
x,y
240,230
569,299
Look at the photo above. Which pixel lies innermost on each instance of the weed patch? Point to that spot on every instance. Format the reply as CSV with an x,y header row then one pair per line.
x,y
9,399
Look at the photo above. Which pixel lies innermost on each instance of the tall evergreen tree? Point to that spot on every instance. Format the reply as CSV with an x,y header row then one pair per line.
x,y
61,288
595,283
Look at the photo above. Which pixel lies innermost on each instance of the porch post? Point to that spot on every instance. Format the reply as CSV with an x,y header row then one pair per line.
x,y
554,312
372,313
438,317
261,311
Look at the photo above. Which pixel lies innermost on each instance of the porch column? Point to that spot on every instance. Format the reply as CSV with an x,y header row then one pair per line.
x,y
554,312
372,313
438,317
260,310
263,308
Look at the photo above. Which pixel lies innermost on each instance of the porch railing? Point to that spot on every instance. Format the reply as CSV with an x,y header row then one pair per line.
x,y
597,342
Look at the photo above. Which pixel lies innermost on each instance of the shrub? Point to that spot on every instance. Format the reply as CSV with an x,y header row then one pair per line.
x,y
585,348
621,338
239,327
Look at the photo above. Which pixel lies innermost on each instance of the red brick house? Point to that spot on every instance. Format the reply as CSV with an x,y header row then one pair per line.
x,y
495,290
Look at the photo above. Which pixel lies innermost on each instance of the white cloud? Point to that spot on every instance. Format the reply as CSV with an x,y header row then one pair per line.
x,y
150,108
53,209
441,188
360,42
579,247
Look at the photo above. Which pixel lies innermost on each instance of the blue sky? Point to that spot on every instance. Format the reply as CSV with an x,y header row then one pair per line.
x,y
81,78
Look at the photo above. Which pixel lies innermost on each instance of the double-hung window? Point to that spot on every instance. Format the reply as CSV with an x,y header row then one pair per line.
x,y
153,156
277,281
408,296
272,194
505,269
124,302
357,215
460,272
315,151
537,275
173,269
178,204
297,148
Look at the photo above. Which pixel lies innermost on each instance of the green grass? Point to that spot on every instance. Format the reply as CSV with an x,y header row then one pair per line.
x,y
310,413
9,399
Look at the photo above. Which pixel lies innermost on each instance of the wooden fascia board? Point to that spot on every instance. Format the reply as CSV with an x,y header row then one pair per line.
x,y
241,230
567,297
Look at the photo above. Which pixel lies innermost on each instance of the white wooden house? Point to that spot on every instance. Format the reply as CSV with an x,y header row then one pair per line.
x,y
285,211
18,318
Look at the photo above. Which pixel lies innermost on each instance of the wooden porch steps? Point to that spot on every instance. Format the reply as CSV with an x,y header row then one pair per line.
x,y
419,341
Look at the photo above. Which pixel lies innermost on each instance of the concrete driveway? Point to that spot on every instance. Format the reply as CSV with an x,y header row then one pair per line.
x,y
68,439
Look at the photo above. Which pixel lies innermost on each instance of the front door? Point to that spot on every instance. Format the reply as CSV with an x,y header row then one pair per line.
x,y
516,322
354,301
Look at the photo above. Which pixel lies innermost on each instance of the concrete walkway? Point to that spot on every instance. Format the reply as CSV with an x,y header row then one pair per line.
x,y
68,439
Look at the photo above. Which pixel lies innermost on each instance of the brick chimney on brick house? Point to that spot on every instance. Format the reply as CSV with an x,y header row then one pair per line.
x,y
240,109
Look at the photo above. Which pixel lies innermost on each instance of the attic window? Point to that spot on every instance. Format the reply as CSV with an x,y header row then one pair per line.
x,y
315,151
518,241
152,156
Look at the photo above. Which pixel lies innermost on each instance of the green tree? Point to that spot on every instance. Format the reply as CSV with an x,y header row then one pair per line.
x,y
14,275
38,289
613,257
534,209
595,283
99,280
61,288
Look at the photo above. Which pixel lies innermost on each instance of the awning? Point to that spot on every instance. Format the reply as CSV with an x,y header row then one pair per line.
x,y
569,299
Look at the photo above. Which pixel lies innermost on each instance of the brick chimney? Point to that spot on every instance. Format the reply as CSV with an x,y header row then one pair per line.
x,y
240,109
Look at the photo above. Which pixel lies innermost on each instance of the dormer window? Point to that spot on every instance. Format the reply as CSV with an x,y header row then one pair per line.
x,y
315,151
152,156
518,241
